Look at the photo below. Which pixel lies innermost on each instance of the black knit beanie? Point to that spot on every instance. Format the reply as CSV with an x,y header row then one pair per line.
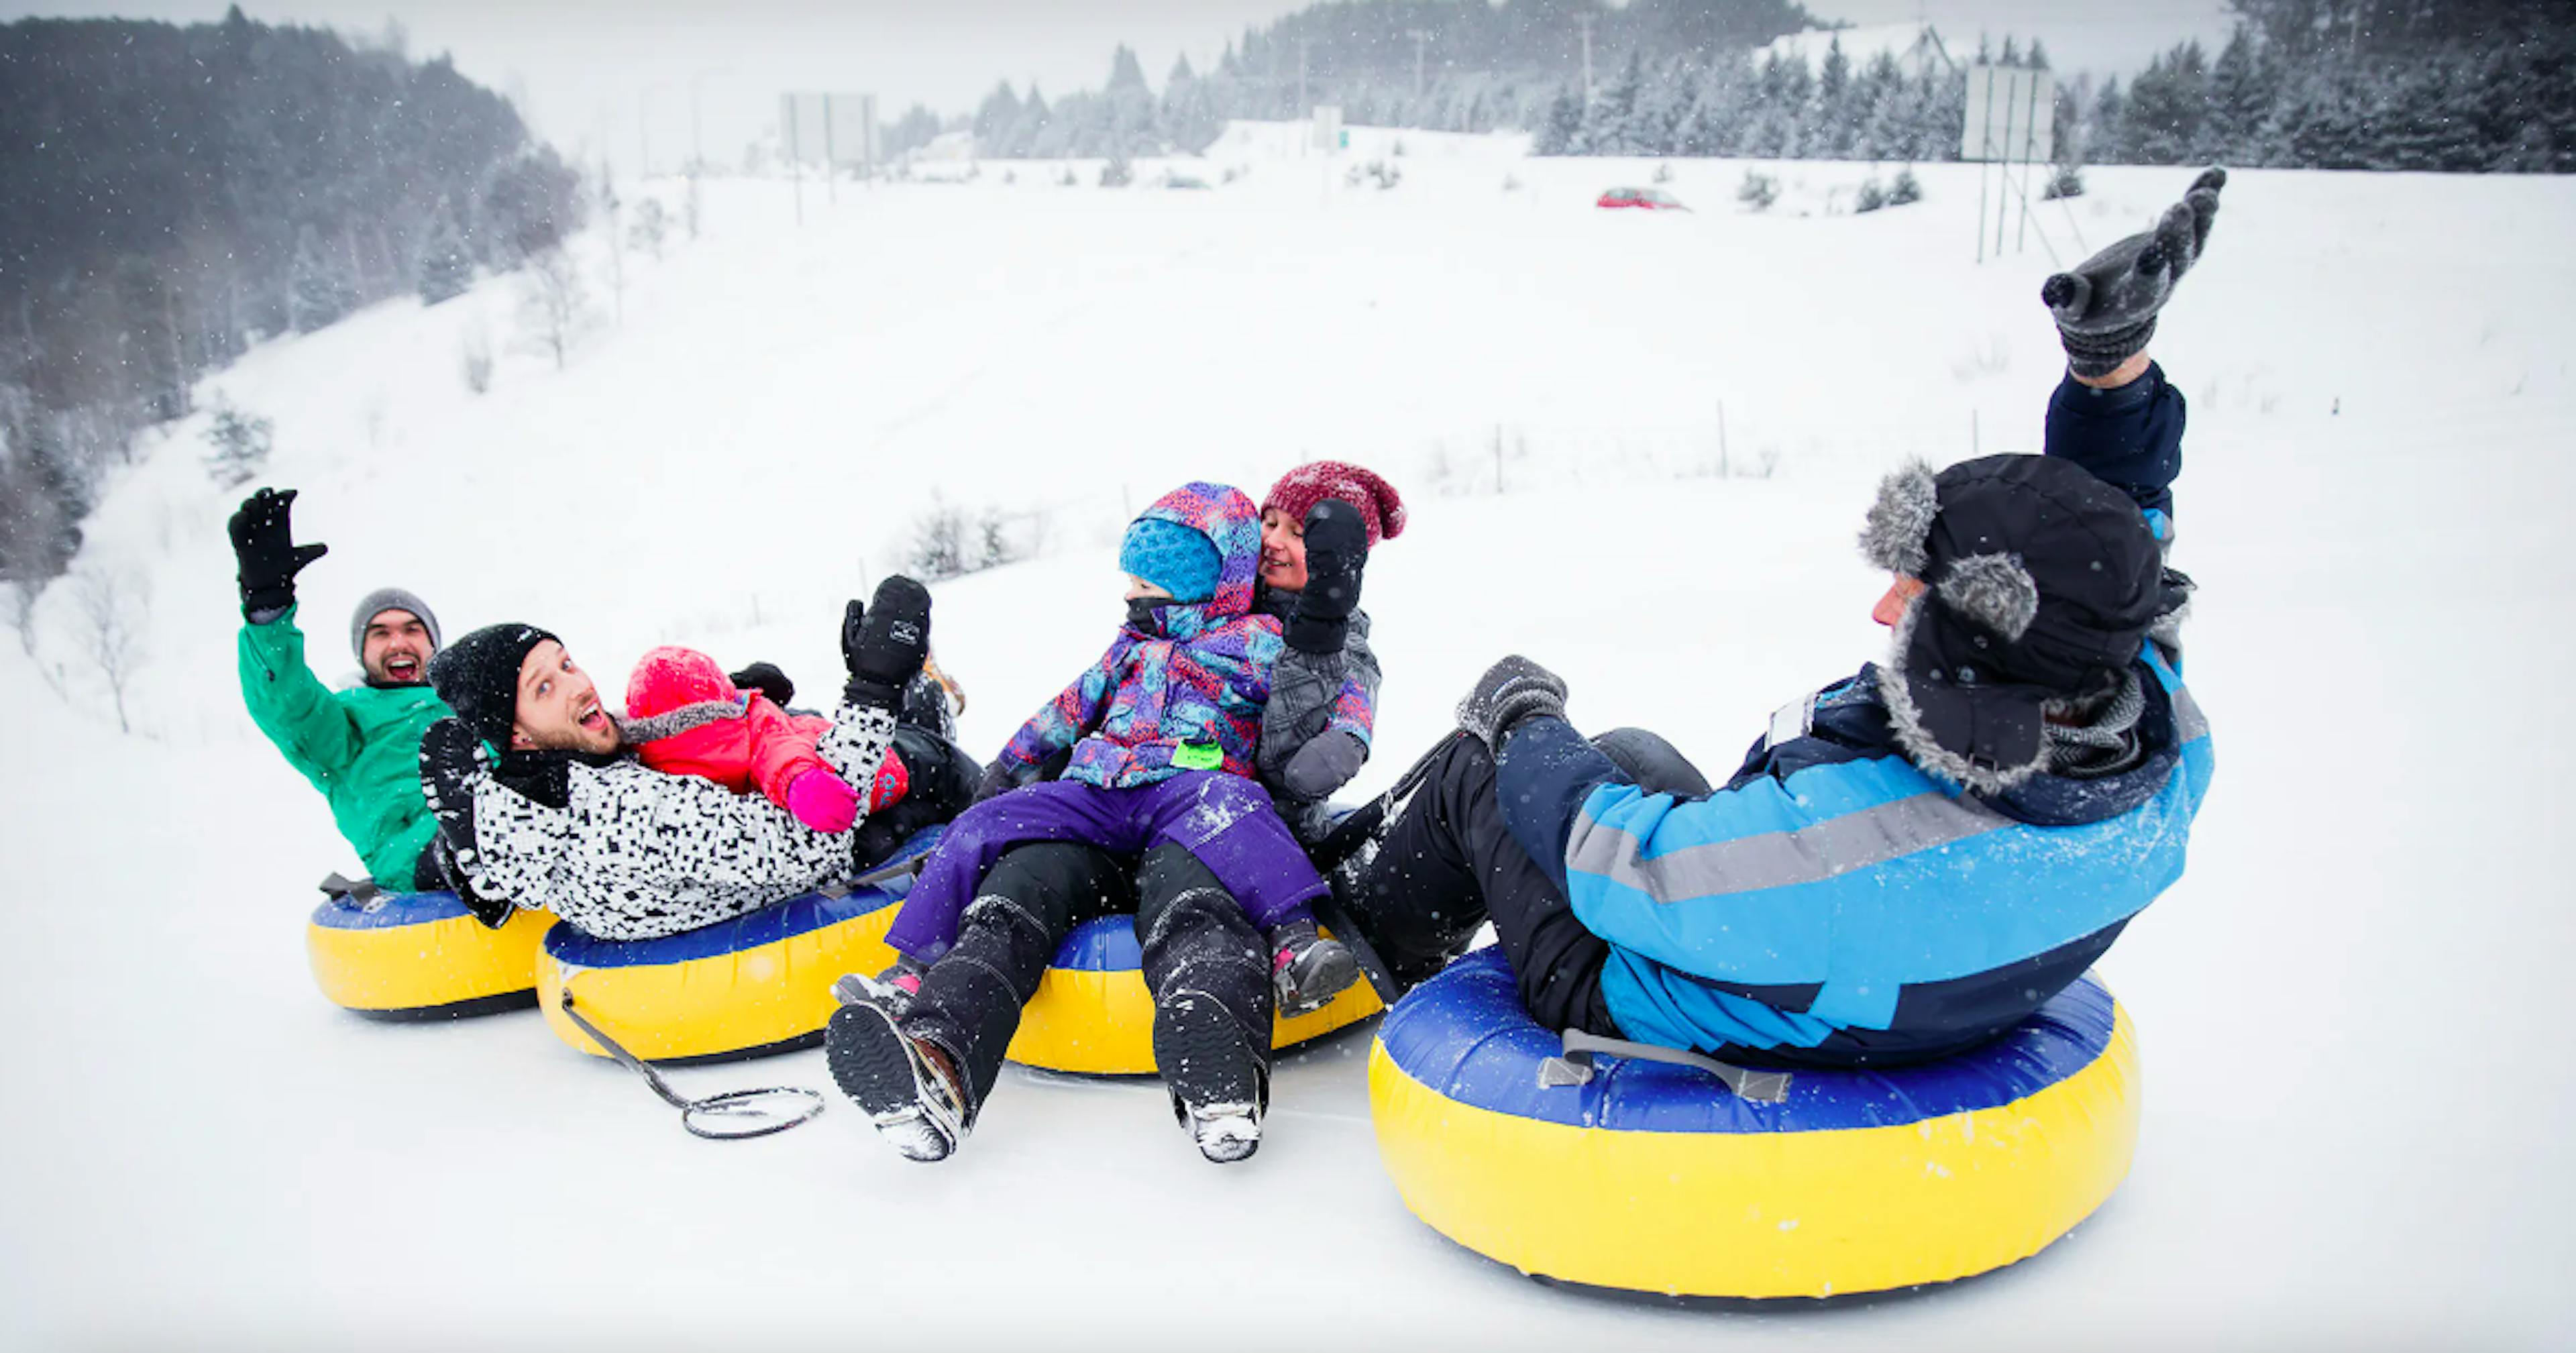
x,y
478,677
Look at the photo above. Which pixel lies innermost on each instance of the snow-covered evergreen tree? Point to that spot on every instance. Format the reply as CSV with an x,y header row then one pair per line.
x,y
446,265
319,287
239,445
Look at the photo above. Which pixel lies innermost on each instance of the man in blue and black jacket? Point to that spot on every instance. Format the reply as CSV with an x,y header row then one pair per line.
x,y
1912,859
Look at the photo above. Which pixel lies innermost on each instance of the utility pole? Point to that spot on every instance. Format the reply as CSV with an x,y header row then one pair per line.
x,y
644,132
1584,20
1303,108
1420,37
697,133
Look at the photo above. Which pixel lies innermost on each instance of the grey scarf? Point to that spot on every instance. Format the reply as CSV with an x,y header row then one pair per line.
x,y
2105,745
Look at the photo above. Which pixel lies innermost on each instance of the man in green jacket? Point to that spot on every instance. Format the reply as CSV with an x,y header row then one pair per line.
x,y
361,746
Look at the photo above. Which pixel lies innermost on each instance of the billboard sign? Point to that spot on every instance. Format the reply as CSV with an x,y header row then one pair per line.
x,y
835,129
2012,115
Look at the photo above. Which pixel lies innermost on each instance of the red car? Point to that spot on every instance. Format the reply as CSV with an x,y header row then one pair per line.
x,y
1647,199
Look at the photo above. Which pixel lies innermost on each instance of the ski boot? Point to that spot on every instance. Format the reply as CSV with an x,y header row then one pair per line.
x,y
1220,1083
1308,970
908,1088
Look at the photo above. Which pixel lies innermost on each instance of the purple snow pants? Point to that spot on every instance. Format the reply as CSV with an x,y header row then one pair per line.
x,y
1225,821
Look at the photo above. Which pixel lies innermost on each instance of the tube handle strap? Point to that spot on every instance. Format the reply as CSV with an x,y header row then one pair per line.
x,y
1574,1067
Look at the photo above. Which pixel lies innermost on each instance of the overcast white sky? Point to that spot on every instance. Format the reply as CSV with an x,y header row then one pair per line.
x,y
617,75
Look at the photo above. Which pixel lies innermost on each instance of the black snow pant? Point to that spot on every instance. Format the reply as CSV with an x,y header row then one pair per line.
x,y
1447,863
1193,934
943,784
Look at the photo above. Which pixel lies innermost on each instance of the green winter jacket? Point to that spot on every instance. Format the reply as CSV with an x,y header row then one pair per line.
x,y
360,747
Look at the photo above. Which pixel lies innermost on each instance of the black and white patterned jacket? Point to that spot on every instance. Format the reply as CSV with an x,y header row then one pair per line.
x,y
633,853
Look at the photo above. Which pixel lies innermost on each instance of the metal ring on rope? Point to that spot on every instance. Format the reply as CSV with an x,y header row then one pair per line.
x,y
736,1115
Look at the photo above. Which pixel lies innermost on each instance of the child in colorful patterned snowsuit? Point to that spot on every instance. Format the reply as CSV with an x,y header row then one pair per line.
x,y
1161,735
684,716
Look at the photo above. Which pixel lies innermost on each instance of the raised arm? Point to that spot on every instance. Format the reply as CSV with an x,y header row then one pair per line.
x,y
290,704
1316,728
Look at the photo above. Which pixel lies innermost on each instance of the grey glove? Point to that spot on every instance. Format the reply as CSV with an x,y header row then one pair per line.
x,y
1323,765
1510,691
2106,308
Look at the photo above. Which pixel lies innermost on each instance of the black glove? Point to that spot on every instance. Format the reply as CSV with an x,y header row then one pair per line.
x,y
451,759
766,679
1336,554
2106,308
264,547
1510,691
884,642
998,779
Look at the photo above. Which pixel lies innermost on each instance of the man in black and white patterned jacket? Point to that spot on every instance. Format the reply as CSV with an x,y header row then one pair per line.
x,y
563,818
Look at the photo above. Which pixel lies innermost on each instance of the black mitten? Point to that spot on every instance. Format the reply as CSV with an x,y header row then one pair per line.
x,y
1336,555
999,778
1510,691
451,761
264,547
2106,308
766,679
884,642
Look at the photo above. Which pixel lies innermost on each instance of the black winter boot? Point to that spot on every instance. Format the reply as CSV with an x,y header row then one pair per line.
x,y
1307,969
1209,972
908,1086
1220,1082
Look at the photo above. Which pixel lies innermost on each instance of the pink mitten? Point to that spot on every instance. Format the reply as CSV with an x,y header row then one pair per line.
x,y
823,801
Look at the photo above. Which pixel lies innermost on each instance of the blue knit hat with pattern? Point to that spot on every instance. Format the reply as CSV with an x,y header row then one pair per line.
x,y
1171,556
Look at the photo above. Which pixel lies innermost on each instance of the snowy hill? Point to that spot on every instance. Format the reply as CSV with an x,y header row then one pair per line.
x,y
2352,1113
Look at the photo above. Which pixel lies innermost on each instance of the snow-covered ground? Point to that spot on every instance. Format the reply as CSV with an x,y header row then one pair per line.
x,y
2354,1105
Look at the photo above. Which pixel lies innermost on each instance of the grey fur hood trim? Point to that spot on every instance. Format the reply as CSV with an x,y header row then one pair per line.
x,y
1900,521
1906,721
671,723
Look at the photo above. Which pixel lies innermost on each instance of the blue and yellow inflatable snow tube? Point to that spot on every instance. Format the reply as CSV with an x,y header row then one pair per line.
x,y
409,956
1654,1178
757,984
1092,1014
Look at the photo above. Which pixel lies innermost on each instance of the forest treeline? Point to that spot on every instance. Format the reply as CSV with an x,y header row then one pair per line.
x,y
177,193
2334,84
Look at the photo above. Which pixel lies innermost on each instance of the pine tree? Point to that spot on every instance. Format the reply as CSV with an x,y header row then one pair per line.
x,y
1834,117
995,119
2106,137
41,506
2237,104
2167,105
240,443
1611,122
319,290
1125,72
446,267
1563,132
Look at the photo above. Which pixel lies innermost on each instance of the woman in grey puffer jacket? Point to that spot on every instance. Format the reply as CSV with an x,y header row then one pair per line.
x,y
1317,526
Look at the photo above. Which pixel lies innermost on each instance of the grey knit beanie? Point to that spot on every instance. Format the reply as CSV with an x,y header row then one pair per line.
x,y
378,602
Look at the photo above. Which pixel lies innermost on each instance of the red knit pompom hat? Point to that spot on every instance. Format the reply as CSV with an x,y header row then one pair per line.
x,y
1300,489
